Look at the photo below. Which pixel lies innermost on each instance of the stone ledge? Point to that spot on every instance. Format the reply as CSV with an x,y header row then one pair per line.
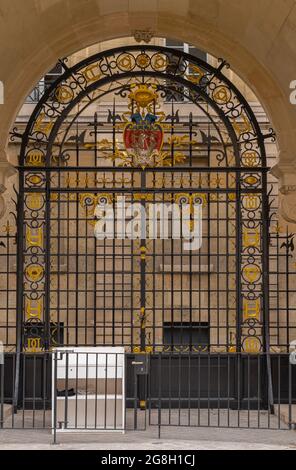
x,y
186,268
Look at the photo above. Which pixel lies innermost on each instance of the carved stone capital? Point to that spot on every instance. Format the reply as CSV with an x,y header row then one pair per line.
x,y
2,206
143,35
6,170
286,174
288,207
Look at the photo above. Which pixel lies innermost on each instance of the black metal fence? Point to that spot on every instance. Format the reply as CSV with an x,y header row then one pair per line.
x,y
69,392
222,390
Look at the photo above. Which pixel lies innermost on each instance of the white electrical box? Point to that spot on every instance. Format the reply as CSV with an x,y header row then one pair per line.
x,y
88,389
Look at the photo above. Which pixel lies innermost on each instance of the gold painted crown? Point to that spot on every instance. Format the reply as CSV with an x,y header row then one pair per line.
x,y
143,95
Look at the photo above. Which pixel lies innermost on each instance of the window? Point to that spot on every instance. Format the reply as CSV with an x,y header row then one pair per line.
x,y
176,94
53,75
181,335
45,83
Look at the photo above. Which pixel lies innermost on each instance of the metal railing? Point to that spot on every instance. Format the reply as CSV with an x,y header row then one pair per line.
x,y
95,391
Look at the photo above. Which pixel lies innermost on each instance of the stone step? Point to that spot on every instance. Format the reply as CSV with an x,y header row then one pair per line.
x,y
283,412
7,411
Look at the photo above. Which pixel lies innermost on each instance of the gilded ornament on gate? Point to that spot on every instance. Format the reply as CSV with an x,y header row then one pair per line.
x,y
143,252
34,272
34,201
54,196
221,94
251,309
43,124
35,157
143,133
143,60
143,95
196,74
252,344
34,236
250,158
251,237
251,180
64,94
126,62
251,201
251,273
91,73
33,345
159,62
241,126
33,309
34,180
194,198
89,202
143,197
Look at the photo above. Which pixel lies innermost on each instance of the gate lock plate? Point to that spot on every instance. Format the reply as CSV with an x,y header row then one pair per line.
x,y
141,364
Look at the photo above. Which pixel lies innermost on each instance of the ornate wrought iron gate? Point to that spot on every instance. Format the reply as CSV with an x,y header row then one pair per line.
x,y
149,125
215,154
